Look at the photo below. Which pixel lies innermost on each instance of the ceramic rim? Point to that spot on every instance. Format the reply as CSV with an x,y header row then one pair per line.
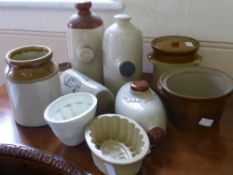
x,y
98,153
211,71
67,96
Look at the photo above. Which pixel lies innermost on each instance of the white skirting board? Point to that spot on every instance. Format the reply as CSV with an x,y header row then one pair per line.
x,y
216,55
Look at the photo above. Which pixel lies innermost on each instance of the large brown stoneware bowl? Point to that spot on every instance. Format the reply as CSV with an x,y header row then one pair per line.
x,y
22,160
195,96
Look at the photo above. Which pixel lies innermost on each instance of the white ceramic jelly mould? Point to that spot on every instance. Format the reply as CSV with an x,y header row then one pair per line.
x,y
69,107
68,115
118,144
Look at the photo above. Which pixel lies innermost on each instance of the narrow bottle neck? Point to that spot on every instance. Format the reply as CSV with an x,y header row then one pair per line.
x,y
122,19
84,12
123,22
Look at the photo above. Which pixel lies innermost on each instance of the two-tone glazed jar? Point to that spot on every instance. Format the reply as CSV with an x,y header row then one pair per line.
x,y
172,52
84,38
32,83
138,101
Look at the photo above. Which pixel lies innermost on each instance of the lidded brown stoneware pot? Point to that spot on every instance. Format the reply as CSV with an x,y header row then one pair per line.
x,y
173,51
32,83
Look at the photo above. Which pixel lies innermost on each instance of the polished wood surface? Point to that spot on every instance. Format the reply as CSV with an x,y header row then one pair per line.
x,y
181,153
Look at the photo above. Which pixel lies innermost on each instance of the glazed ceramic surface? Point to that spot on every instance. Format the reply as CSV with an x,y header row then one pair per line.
x,y
160,68
84,38
171,52
74,81
136,100
68,115
122,46
32,83
85,51
118,144
195,95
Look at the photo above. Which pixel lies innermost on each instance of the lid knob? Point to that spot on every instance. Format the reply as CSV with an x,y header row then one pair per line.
x,y
175,44
139,85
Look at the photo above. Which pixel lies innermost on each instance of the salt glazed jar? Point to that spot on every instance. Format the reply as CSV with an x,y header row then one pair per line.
x,y
32,83
122,46
138,101
84,38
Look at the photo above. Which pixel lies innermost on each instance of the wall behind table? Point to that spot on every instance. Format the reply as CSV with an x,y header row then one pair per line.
x,y
206,20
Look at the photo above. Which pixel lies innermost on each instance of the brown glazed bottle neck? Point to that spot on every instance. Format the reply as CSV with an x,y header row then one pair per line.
x,y
84,19
83,8
139,86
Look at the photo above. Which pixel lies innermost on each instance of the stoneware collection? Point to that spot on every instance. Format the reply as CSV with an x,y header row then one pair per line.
x,y
105,79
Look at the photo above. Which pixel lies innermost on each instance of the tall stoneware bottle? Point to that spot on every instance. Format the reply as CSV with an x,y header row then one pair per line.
x,y
122,47
84,36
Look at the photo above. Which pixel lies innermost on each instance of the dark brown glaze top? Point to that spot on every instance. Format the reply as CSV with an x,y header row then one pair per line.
x,y
139,85
84,19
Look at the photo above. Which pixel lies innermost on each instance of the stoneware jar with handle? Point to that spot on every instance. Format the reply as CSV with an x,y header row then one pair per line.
x,y
32,83
122,46
84,38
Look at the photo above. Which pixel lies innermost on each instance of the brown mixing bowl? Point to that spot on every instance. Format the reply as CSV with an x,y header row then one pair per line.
x,y
195,96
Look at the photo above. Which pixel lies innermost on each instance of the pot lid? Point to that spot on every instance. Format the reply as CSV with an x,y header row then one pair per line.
x,y
175,45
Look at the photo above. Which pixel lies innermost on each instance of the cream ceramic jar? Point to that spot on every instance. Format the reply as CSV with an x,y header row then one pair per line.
x,y
32,83
136,100
122,46
84,38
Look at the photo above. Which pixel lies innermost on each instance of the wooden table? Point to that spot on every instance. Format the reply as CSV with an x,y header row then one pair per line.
x,y
181,153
